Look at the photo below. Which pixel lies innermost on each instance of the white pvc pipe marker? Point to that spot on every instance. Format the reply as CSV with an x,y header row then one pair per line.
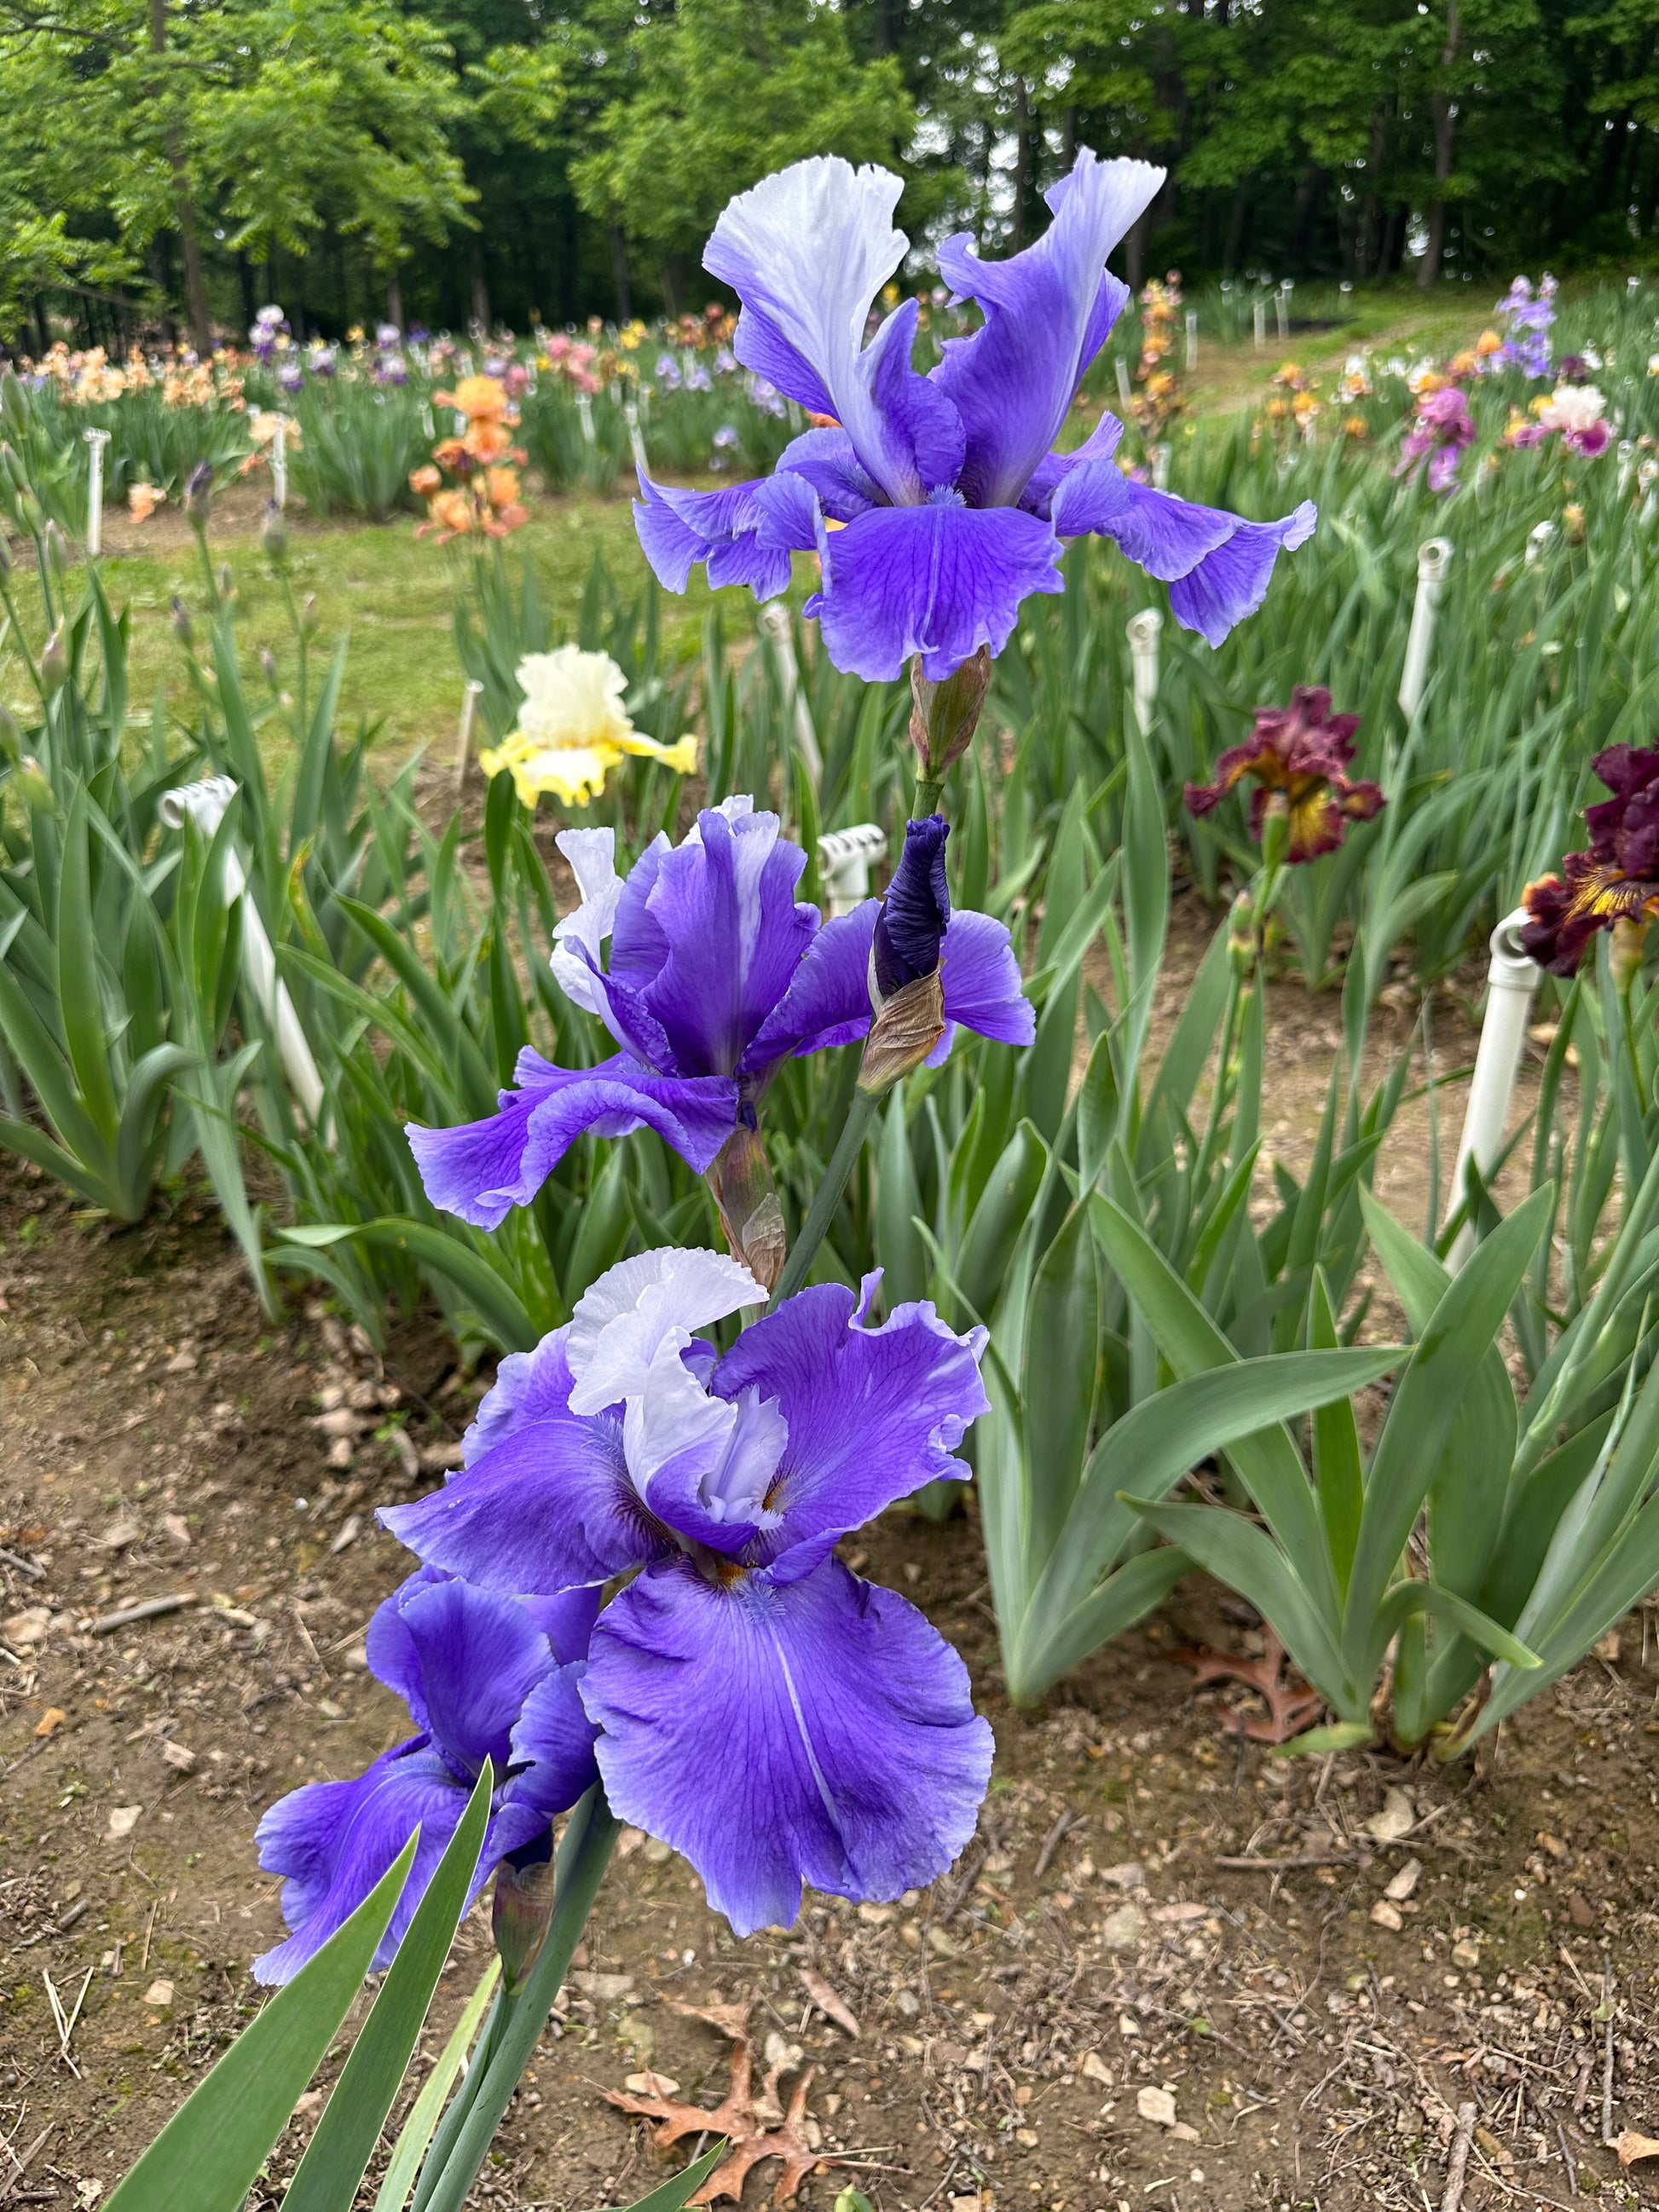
x,y
1433,559
470,699
204,804
1144,629
780,633
279,461
96,441
1511,980
844,861
636,439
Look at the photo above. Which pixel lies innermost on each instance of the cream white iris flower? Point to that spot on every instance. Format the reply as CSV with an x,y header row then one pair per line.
x,y
573,730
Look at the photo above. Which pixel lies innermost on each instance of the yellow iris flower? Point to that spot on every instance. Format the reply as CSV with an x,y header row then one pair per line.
x,y
573,730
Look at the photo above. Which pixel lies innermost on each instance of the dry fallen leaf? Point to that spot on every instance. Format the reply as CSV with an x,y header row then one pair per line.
x,y
828,2002
29,1627
1291,1705
50,1720
1630,2147
741,2117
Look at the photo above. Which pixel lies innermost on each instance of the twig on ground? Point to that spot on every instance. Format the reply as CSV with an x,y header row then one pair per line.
x,y
1458,2166
1051,1842
152,1608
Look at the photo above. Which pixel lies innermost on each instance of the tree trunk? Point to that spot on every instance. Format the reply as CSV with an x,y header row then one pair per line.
x,y
480,289
619,272
1135,250
189,237
1024,163
1444,116
394,300
1237,226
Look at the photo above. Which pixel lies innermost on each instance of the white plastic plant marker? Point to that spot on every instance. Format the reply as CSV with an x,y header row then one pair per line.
x,y
778,631
1192,339
1144,629
470,699
204,804
585,415
1511,981
1433,559
845,858
636,439
1259,316
279,461
1125,397
96,441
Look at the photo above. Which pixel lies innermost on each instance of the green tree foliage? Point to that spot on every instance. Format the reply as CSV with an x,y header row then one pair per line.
x,y
723,91
499,159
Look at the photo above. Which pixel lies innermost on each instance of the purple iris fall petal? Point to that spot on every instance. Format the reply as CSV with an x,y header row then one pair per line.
x,y
547,1509
983,989
941,581
462,1661
468,1665
821,1733
943,481
332,1841
1232,581
552,1745
566,1621
482,1170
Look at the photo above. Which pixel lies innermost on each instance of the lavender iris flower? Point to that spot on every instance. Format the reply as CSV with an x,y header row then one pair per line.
x,y
483,1676
937,503
772,1717
717,974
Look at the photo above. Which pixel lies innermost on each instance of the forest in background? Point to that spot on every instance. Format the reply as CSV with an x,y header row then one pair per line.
x,y
165,164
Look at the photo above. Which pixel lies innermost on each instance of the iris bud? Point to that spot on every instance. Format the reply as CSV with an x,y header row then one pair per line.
x,y
946,714
1625,953
5,555
227,583
54,662
1241,935
268,666
522,1907
184,628
741,1179
57,552
905,988
33,786
273,532
13,401
1275,829
199,495
11,737
310,615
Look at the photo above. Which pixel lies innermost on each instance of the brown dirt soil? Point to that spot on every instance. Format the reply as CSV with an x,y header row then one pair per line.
x,y
1093,2010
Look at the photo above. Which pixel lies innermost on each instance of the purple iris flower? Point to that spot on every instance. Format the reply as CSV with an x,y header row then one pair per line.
x,y
717,973
937,503
772,1717
483,1676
